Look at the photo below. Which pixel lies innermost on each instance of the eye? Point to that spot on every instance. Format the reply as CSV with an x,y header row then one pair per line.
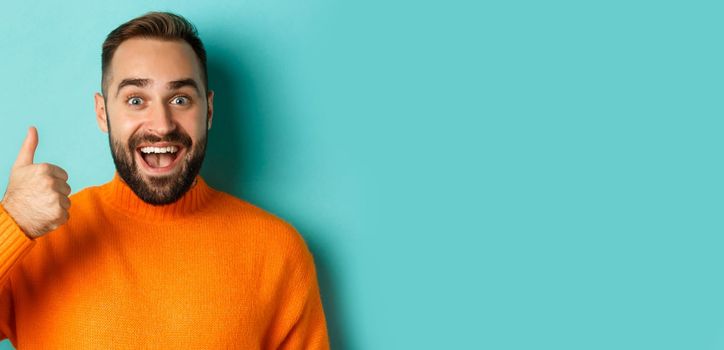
x,y
180,100
135,101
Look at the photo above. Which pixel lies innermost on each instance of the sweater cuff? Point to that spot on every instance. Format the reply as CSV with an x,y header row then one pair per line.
x,y
14,243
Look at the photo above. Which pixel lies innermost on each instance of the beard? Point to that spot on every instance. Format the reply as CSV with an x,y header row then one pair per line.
x,y
158,190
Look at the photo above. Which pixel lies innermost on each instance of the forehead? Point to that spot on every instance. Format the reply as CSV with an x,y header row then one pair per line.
x,y
154,59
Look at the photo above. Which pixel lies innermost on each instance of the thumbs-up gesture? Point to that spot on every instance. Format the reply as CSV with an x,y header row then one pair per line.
x,y
37,194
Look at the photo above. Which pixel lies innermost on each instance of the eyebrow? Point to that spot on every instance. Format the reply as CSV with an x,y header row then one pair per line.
x,y
132,82
172,85
177,84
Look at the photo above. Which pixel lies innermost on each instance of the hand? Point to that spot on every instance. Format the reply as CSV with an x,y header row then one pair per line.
x,y
37,194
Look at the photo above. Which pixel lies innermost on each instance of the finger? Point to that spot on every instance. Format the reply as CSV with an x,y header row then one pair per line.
x,y
27,151
62,188
66,217
58,172
65,203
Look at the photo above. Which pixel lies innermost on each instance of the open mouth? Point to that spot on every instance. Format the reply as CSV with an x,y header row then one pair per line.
x,y
160,158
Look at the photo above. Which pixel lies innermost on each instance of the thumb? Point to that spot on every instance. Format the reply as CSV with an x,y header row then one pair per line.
x,y
27,151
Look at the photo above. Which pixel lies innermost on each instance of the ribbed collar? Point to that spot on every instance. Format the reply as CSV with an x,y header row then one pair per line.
x,y
118,194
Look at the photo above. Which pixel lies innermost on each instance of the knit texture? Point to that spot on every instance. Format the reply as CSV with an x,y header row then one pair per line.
x,y
210,271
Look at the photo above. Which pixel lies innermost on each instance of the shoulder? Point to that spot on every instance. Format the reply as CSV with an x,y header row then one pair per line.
x,y
86,193
277,233
85,200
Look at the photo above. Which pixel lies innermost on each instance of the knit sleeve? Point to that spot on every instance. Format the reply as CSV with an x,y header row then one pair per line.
x,y
14,245
309,329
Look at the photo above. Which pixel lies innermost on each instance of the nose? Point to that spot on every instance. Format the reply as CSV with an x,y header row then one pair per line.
x,y
160,121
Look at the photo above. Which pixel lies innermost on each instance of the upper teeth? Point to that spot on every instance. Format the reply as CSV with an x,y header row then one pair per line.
x,y
169,149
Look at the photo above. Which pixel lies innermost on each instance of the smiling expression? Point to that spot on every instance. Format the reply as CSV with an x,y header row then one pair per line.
x,y
157,113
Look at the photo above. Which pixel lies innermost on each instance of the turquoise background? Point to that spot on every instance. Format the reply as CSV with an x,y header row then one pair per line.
x,y
468,175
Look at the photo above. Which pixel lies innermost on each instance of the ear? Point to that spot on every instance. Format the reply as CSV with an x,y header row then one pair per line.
x,y
210,113
101,112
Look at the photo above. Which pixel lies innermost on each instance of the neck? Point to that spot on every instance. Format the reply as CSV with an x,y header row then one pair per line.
x,y
119,195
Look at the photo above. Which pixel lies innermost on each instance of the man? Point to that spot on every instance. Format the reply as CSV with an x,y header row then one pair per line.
x,y
155,258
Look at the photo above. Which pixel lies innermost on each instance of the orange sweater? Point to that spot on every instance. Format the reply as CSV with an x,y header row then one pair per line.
x,y
210,271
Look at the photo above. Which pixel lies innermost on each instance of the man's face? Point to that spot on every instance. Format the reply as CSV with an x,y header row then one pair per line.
x,y
157,114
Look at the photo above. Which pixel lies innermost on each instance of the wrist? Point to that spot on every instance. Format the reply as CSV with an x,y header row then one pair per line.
x,y
10,212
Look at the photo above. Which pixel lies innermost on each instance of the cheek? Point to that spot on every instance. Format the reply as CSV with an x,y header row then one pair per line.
x,y
123,128
194,127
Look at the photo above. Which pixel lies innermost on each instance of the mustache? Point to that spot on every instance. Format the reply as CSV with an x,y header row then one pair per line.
x,y
175,136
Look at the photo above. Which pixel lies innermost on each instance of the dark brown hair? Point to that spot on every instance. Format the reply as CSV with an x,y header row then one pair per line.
x,y
155,25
